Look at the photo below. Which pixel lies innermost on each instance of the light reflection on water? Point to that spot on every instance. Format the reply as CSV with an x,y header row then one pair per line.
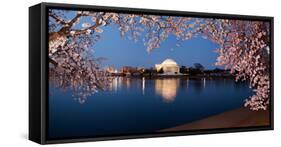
x,y
141,105
164,87
143,86
167,88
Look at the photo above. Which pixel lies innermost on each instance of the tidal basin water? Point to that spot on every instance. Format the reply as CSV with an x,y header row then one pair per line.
x,y
142,105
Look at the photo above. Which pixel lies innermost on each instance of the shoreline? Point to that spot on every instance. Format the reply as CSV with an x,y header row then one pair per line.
x,y
241,117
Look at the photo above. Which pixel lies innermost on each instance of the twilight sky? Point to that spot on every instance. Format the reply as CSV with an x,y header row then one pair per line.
x,y
124,52
121,52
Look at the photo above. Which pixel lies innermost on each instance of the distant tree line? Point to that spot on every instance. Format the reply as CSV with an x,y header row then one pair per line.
x,y
196,70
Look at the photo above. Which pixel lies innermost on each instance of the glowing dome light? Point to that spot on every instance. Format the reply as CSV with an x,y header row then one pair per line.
x,y
169,62
169,67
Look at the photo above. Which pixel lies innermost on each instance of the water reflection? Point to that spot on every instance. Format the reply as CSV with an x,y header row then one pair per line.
x,y
144,97
127,82
167,88
143,85
199,84
113,85
204,82
184,83
118,83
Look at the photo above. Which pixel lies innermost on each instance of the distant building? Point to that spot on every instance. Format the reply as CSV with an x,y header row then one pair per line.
x,y
141,69
110,69
168,66
129,70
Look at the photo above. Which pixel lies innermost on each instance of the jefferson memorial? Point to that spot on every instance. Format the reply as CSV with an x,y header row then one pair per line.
x,y
168,66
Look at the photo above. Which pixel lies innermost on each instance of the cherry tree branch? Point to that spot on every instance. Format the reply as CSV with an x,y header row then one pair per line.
x,y
57,18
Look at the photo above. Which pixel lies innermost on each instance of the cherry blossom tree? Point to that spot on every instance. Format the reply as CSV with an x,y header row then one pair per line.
x,y
71,63
244,47
245,50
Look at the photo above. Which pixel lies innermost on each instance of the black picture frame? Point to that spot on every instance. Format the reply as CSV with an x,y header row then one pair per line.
x,y
38,70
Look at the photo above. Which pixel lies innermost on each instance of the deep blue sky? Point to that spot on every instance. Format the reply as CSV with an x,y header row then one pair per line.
x,y
124,52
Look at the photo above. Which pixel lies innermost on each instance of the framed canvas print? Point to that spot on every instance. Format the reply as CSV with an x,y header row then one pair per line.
x,y
99,73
